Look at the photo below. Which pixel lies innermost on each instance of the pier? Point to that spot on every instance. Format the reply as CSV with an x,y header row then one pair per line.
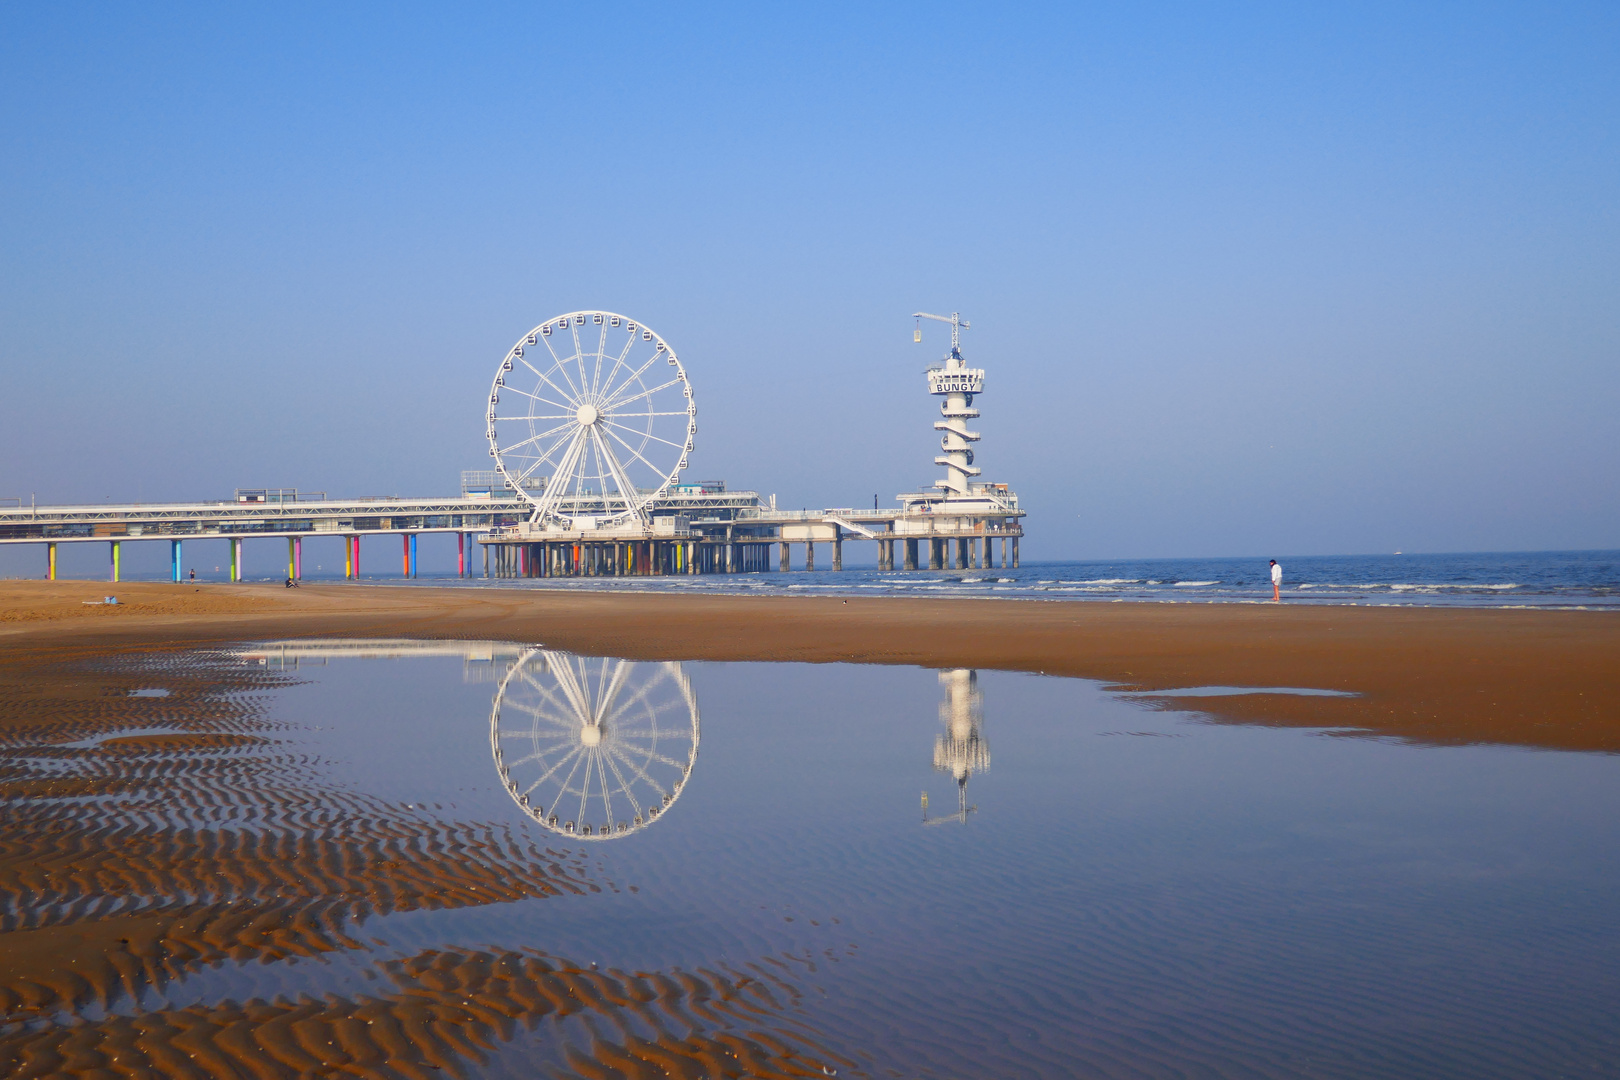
x,y
586,483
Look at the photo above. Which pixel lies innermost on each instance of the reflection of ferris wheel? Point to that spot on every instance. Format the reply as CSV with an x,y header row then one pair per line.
x,y
598,748
590,419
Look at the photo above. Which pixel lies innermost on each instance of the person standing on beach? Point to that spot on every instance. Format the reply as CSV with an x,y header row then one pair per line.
x,y
1276,582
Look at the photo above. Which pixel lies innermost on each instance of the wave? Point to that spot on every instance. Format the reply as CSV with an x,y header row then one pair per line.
x,y
1193,584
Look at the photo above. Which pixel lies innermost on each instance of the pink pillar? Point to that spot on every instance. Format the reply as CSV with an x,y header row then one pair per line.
x,y
298,558
461,554
357,558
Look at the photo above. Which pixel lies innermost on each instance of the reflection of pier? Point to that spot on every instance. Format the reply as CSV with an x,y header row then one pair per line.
x,y
961,750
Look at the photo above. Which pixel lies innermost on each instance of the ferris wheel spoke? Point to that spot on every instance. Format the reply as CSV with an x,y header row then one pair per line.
x,y
614,403
632,379
543,377
607,694
561,366
575,752
624,785
537,437
551,698
621,479
569,684
601,357
643,774
607,789
604,470
640,697
584,755
537,397
647,434
677,412
565,468
540,460
629,344
636,453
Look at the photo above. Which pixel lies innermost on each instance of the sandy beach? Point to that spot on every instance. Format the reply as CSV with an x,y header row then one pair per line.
x,y
1532,678
106,910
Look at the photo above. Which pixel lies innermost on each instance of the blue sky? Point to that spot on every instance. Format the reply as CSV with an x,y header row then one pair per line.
x,y
1246,279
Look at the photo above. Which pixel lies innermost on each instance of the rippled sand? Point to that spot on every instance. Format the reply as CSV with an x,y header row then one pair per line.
x,y
137,872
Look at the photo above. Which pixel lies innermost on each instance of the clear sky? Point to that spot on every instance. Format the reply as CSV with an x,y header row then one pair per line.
x,y
1249,279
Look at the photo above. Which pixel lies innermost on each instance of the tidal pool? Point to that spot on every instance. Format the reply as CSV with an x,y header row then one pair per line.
x,y
490,859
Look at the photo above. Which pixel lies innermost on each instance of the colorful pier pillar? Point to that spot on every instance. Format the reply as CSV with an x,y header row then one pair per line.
x,y
236,558
298,558
461,554
291,559
114,571
174,558
405,551
50,561
356,539
413,555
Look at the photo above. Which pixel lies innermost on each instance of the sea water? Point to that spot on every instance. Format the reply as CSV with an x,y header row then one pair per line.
x,y
1558,579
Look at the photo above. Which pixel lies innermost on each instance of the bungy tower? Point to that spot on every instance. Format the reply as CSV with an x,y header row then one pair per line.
x,y
962,515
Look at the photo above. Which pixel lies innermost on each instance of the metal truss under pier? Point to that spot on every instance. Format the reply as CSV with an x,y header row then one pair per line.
x,y
928,531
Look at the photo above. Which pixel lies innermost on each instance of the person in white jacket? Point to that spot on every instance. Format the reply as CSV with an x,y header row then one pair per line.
x,y
1276,581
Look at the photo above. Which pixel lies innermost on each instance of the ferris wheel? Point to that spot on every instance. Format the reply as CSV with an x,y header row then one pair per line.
x,y
591,418
598,748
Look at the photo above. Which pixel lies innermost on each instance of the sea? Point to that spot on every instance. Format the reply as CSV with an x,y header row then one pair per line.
x,y
1533,579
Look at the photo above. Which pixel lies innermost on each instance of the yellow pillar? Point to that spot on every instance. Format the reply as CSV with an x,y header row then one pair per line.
x,y
290,558
115,569
50,561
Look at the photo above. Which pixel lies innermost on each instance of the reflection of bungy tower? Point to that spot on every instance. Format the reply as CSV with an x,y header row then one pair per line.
x,y
962,749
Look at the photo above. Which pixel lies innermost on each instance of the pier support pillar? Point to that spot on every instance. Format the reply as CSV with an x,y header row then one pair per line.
x,y
911,555
486,560
236,558
112,556
975,560
357,556
174,558
1015,552
838,548
936,556
809,555
50,562
784,563
291,569
963,562
405,553
298,558
461,555
413,554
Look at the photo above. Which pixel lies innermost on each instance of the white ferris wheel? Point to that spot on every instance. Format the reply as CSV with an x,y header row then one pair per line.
x,y
591,419
593,748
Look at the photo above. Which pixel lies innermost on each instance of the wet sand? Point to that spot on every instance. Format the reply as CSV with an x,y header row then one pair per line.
x,y
130,864
161,842
1530,678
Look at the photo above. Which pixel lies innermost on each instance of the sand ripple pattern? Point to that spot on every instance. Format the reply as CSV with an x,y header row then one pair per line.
x,y
192,832
461,1013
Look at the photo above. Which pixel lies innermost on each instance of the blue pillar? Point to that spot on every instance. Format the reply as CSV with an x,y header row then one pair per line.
x,y
413,554
174,557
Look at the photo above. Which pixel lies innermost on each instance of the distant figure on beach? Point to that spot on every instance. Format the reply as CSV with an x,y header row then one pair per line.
x,y
1276,581
193,573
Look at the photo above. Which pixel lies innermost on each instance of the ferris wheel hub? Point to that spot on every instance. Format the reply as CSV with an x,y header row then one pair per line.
x,y
590,735
587,415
